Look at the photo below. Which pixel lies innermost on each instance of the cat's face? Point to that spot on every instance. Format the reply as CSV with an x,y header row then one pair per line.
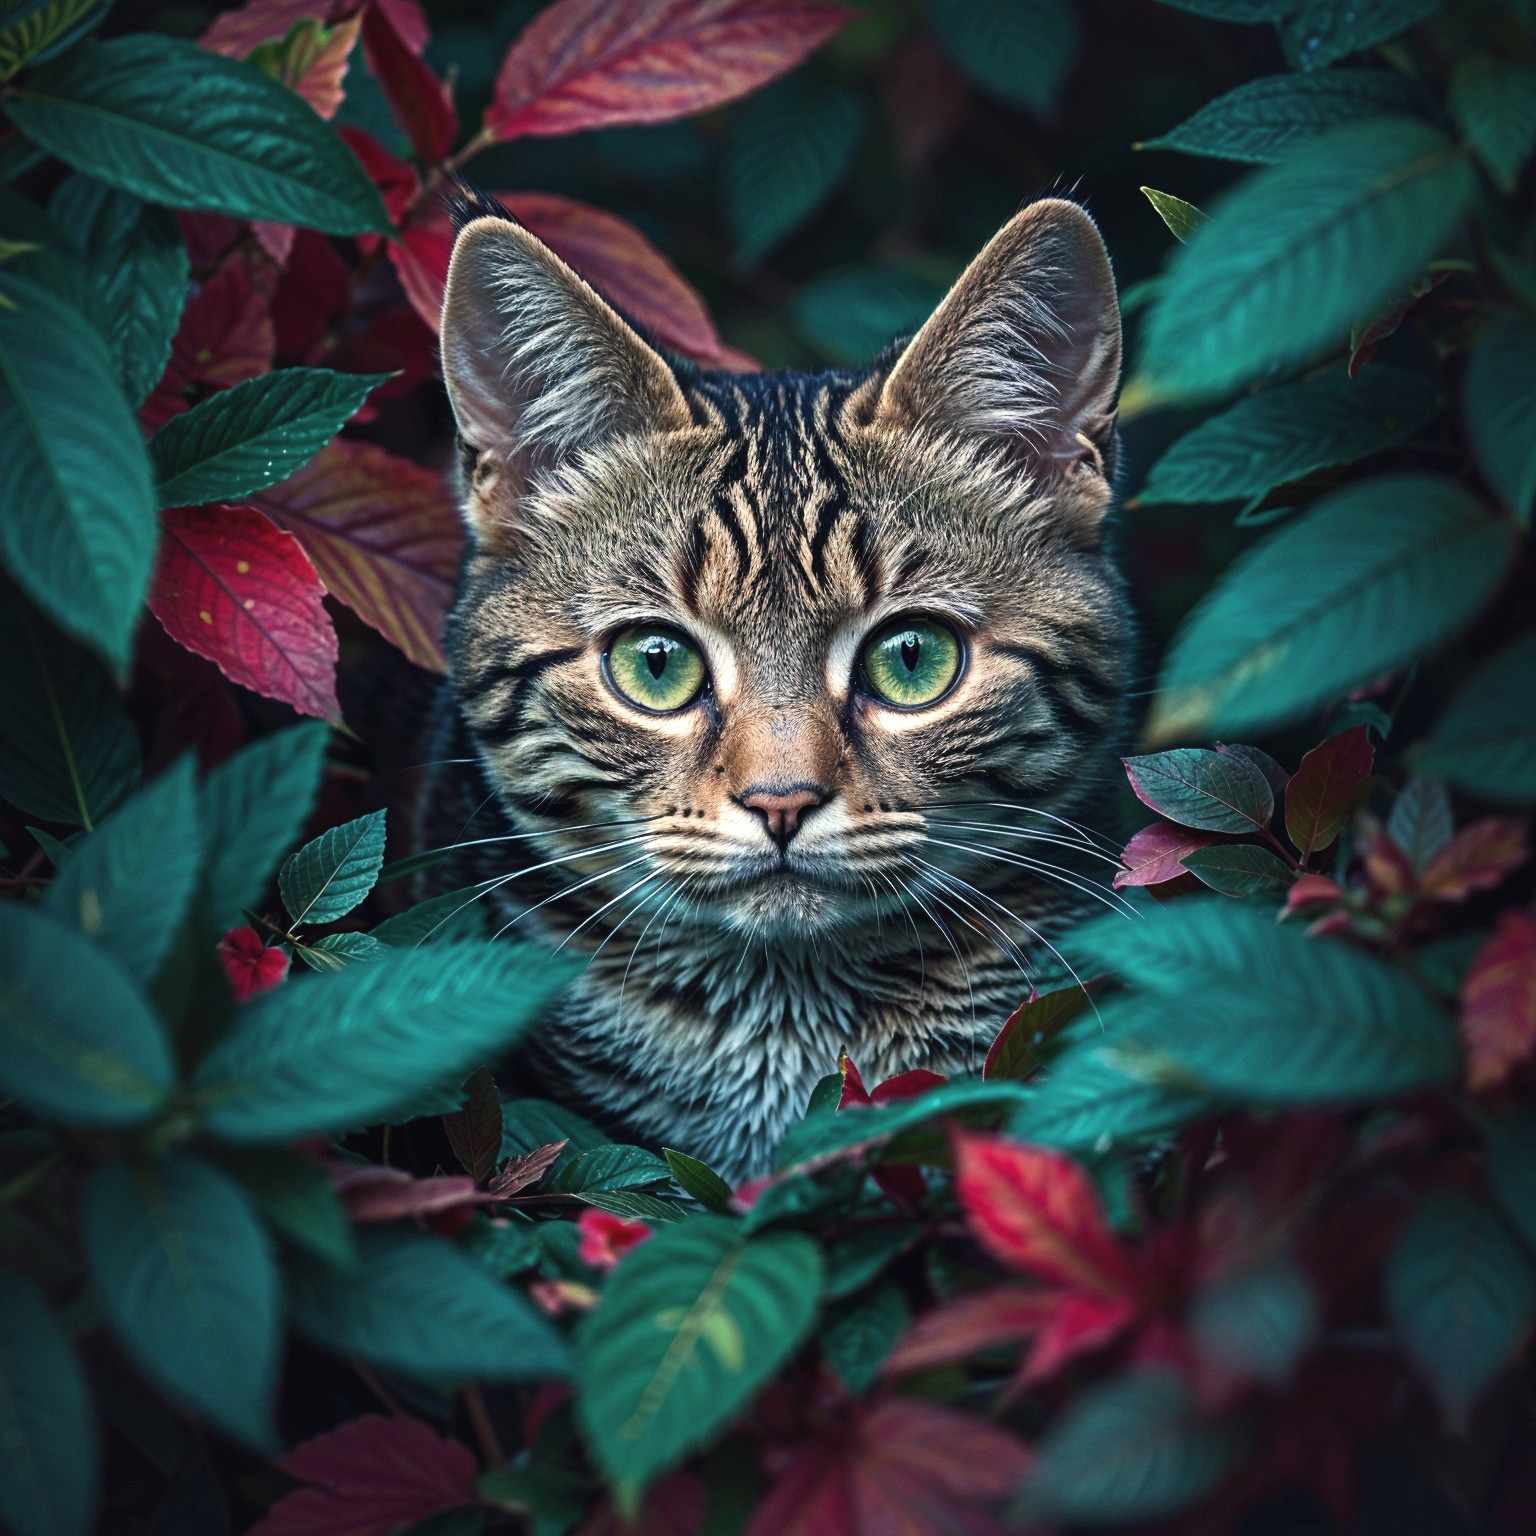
x,y
765,633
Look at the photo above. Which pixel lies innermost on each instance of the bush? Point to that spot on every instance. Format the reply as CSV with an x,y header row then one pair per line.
x,y
1239,1233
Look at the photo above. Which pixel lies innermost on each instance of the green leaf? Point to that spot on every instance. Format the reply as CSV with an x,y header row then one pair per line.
x,y
1461,1293
348,1048
253,807
296,1198
1318,33
1131,1448
850,314
79,530
1300,251
454,915
788,147
861,1254
1421,821
1289,431
1195,787
1372,577
184,1271
326,878
178,125
1494,104
1255,1323
699,1180
417,1305
1500,405
1182,218
504,1248
1511,1142
336,951
856,1341
1260,122
1485,743
247,438
47,1428
527,1124
1241,869
68,752
1021,50
611,1167
78,1042
128,883
691,1324
631,1204
136,262
31,32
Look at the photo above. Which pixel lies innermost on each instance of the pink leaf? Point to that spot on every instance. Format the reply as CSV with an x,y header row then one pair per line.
x,y
519,1172
981,1320
1155,853
1325,789
1476,859
1498,1002
373,1193
419,100
606,1239
1077,1325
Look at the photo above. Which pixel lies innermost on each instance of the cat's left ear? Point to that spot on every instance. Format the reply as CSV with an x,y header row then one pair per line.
x,y
1024,351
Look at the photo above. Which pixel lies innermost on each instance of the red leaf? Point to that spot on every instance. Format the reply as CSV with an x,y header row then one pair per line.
x,y
673,1507
384,535
373,1193
1004,1314
1322,794
1498,1002
1077,1325
374,1475
474,1132
1015,1052
397,182
606,1239
231,587
907,1085
1154,854
519,1172
420,259
1312,890
235,33
902,1465
409,21
1476,859
312,61
249,964
419,100
1037,1211
592,64
854,1092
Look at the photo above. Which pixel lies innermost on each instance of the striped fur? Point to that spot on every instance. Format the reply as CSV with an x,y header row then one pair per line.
x,y
777,519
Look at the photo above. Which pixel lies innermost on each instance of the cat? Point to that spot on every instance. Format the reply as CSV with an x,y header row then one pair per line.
x,y
773,694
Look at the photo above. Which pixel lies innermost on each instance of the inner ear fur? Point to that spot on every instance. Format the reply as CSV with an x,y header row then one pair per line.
x,y
1024,350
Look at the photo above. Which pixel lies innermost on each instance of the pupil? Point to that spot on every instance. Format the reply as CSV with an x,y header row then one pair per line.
x,y
910,647
656,658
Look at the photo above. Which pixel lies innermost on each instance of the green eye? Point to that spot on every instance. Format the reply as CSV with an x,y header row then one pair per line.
x,y
656,668
910,662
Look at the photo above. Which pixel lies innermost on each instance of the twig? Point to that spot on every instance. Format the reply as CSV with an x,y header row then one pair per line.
x,y
485,1431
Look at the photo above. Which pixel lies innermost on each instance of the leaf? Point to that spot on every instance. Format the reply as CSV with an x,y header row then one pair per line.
x,y
1241,869
788,147
1264,119
1494,103
1498,1002
850,314
350,1047
421,103
311,60
699,1180
252,808
418,1306
1500,407
1016,1052
1255,1324
690,1325
1461,1294
1485,743
612,1168
527,1125
1421,821
231,587
1323,794
1182,218
78,1042
862,1254
47,1431
630,1204
527,1168
1372,577
79,529
1021,50
1511,1144
32,32
128,884
1301,250
1476,859
175,124
336,951
1155,854
856,1342
1289,431
474,1132
385,537
249,437
1127,1449
371,1476
328,877
1318,33
186,1277
296,1199
373,1193
584,64
453,915
973,1323
1210,791
68,752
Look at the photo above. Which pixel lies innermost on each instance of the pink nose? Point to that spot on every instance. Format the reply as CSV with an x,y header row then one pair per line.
x,y
781,812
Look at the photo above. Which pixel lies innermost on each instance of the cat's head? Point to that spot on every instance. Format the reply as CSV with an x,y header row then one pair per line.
x,y
765,632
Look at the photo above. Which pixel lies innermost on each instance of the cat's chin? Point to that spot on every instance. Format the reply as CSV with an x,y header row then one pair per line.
x,y
787,905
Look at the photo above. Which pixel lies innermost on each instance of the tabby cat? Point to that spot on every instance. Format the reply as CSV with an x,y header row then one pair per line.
x,y
773,694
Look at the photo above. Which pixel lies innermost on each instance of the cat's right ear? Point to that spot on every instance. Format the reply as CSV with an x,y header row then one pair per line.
x,y
538,364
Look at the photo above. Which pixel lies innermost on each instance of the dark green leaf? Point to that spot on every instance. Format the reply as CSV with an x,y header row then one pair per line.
x,y
691,1324
326,878
183,1268
1261,121
1500,405
1182,218
1240,869
504,1248
416,1305
1025,1040
350,1047
128,883
1255,1323
857,1339
1021,50
1318,33
1461,1294
247,438
857,1257
1372,577
253,808
1494,104
849,315
33,30
611,1167
1195,787
1300,251
68,752
336,951
1289,431
455,915
474,1132
296,1196
78,1042
47,1429
79,529
1511,1142
1242,11
1421,822
699,1180
178,125
631,1204
527,1124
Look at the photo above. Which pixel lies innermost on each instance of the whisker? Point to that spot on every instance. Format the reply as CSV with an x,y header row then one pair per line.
x,y
592,917
959,887
1085,834
569,890
1028,837
1050,871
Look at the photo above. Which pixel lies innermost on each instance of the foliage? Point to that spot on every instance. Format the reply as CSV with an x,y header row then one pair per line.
x,y
1239,1235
